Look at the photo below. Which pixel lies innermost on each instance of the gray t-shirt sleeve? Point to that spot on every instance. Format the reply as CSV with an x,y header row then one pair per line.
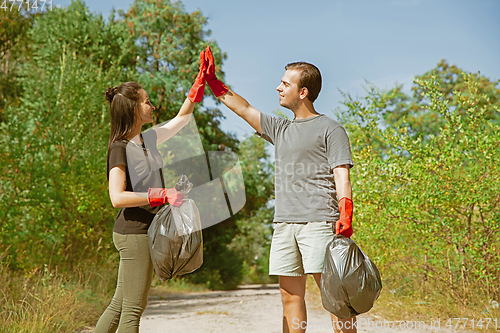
x,y
271,127
338,148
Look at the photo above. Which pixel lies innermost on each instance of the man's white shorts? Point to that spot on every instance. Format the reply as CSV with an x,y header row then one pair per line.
x,y
299,248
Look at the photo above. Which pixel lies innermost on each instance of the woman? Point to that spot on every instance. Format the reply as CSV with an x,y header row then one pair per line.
x,y
136,186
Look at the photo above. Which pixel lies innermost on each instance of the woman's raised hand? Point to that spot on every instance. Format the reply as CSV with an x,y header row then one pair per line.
x,y
195,94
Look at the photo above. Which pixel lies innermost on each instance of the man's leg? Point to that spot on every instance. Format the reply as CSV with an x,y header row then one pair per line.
x,y
339,325
293,289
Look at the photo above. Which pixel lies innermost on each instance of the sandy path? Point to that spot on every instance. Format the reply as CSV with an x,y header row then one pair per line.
x,y
252,308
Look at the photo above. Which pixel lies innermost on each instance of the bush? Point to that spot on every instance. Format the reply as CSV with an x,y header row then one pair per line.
x,y
427,206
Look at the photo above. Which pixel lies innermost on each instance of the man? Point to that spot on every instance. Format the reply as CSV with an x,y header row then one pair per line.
x,y
313,158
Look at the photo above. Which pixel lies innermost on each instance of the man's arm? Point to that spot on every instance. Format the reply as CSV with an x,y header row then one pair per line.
x,y
242,108
342,181
344,193
231,99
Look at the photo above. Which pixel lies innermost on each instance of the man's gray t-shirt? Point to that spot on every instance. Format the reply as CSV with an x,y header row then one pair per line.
x,y
306,151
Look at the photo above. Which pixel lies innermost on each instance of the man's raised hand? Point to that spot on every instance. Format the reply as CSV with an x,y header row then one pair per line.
x,y
217,86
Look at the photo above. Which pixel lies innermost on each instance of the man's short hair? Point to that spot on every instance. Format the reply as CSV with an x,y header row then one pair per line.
x,y
310,77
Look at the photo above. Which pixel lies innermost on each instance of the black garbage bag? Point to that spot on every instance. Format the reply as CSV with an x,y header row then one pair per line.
x,y
175,239
350,281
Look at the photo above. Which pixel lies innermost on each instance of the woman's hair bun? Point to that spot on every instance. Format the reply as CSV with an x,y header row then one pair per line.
x,y
110,93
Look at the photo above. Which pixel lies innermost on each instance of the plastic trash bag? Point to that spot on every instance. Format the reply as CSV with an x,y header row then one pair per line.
x,y
175,239
350,281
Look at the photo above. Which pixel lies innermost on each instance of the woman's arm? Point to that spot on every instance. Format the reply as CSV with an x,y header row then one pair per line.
x,y
195,95
155,197
171,128
119,197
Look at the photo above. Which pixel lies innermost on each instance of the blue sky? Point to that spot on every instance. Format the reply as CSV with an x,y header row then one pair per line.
x,y
383,42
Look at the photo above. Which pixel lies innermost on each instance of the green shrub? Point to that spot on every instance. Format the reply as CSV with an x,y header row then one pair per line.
x,y
427,206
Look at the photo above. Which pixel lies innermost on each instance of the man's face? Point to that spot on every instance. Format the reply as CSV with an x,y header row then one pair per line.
x,y
289,89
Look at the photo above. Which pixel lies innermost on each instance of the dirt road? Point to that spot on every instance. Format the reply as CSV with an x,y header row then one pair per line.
x,y
252,308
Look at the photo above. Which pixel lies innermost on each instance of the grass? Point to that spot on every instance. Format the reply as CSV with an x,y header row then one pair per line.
x,y
177,285
419,305
424,306
44,301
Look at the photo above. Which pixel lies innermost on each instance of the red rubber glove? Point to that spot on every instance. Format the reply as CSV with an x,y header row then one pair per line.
x,y
345,209
159,196
217,86
195,94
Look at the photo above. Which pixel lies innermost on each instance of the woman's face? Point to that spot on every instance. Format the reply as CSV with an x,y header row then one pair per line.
x,y
145,108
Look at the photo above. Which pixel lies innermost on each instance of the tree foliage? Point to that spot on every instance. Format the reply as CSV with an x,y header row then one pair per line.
x,y
421,119
54,200
169,41
13,40
427,204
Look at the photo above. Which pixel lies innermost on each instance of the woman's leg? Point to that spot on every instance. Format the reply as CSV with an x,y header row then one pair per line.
x,y
108,323
137,272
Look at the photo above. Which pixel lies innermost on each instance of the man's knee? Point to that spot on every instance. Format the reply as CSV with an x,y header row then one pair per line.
x,y
292,290
288,299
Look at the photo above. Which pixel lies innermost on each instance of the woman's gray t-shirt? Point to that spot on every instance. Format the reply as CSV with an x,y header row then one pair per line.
x,y
306,151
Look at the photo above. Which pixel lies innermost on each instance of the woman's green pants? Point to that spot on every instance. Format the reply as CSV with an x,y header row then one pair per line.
x,y
134,280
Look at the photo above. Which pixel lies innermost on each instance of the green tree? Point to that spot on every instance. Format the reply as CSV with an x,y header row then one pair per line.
x,y
54,200
427,205
13,41
53,188
421,118
169,41
254,223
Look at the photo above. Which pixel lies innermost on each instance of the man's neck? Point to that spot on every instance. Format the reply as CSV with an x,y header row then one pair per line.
x,y
305,111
